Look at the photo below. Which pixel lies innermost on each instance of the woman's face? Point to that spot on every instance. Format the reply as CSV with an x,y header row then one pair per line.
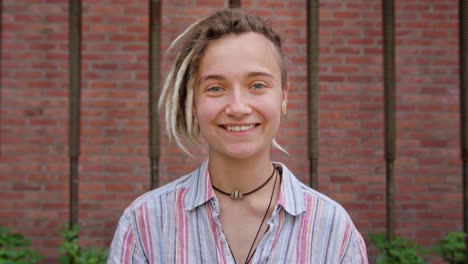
x,y
238,95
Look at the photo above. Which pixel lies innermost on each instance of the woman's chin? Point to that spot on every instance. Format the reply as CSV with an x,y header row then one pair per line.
x,y
240,152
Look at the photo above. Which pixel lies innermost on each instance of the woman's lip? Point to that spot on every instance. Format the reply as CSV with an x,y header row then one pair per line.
x,y
240,127
239,124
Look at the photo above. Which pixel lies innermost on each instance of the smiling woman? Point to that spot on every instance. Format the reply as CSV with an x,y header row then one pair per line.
x,y
229,86
240,117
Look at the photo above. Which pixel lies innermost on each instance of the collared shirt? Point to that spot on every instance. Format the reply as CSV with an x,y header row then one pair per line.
x,y
179,223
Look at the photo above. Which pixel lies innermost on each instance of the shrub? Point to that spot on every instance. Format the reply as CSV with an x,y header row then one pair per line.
x,y
398,251
73,252
452,248
14,249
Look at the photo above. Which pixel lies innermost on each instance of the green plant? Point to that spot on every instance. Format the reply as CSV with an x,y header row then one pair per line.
x,y
73,252
398,251
452,248
14,249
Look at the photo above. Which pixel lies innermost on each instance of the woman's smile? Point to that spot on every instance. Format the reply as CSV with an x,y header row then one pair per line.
x,y
239,95
239,128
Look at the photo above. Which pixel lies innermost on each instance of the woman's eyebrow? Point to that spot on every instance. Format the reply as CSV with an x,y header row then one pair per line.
x,y
217,77
259,73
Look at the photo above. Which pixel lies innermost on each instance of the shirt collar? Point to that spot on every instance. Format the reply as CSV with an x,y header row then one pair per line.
x,y
291,196
200,191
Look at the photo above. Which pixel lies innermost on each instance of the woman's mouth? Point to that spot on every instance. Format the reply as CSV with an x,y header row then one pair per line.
x,y
239,128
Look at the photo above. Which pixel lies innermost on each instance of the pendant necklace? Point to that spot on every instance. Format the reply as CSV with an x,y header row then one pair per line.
x,y
252,250
237,195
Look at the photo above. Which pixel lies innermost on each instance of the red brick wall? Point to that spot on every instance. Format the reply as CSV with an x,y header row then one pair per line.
x,y
351,127
33,159
114,164
429,181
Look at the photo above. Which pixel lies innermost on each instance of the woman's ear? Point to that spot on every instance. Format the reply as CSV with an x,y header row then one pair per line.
x,y
284,108
284,99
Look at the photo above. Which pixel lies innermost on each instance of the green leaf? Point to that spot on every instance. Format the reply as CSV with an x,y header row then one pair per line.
x,y
72,250
398,251
452,248
14,248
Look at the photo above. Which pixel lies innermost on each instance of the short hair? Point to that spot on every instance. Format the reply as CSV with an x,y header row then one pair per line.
x,y
177,92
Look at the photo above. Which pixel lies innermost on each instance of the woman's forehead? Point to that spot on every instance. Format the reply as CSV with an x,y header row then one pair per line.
x,y
240,53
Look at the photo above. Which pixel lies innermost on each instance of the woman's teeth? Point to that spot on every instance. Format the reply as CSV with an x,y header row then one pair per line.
x,y
240,128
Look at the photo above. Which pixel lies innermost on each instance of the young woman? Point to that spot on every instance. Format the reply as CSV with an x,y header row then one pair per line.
x,y
229,85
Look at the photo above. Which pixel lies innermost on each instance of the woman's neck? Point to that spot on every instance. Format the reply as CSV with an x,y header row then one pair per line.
x,y
239,174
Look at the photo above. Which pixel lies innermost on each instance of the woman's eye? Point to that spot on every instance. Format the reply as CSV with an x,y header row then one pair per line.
x,y
215,89
258,86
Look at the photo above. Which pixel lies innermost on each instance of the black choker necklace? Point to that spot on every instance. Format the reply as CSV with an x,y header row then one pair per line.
x,y
236,195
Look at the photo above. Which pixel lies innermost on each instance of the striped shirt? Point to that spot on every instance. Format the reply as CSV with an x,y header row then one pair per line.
x,y
179,223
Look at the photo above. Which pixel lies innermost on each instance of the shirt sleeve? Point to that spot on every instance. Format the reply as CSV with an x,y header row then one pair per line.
x,y
356,252
125,247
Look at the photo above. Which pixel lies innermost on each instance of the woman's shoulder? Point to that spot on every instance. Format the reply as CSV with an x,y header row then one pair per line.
x,y
156,196
322,198
310,198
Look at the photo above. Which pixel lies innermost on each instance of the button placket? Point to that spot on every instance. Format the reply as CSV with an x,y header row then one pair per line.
x,y
221,237
266,243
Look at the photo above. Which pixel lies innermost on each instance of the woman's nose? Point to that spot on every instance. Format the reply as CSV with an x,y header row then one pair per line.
x,y
238,105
